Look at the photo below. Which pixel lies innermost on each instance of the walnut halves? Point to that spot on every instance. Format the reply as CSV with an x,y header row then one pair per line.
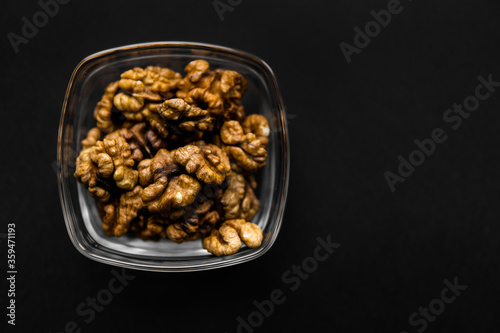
x,y
227,240
174,157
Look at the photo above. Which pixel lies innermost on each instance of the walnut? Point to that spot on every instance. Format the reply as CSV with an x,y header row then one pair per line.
x,y
180,115
198,76
250,204
163,195
239,200
94,169
156,141
102,112
233,195
151,115
249,233
136,141
93,135
209,163
106,158
152,83
192,218
117,216
142,140
161,80
258,125
227,240
232,133
140,115
119,150
233,85
234,111
203,98
222,242
161,165
247,150
152,227
125,102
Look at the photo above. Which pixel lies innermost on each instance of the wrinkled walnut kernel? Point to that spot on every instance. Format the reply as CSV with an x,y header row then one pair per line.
x,y
209,163
227,240
249,233
93,169
198,76
223,242
152,83
119,150
93,135
163,195
125,102
102,112
239,200
258,125
117,218
233,196
178,113
203,98
247,150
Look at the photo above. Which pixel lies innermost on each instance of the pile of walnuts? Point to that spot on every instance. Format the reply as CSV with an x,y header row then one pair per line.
x,y
175,157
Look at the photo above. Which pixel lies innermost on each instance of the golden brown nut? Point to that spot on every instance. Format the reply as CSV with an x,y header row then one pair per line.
x,y
222,242
247,150
188,224
102,112
93,135
150,227
161,165
249,205
117,216
142,139
157,124
163,195
176,234
239,200
152,83
203,98
209,163
94,169
198,76
125,102
233,196
233,85
250,155
227,240
258,125
231,133
135,139
119,150
161,80
234,111
185,117
145,172
249,233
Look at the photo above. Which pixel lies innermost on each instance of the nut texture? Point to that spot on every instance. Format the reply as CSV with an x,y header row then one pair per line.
x,y
208,162
102,112
157,193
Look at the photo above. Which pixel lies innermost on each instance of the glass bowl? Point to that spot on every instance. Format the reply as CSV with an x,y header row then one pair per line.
x,y
85,88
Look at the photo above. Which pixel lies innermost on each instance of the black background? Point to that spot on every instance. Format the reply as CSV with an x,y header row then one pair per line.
x,y
347,122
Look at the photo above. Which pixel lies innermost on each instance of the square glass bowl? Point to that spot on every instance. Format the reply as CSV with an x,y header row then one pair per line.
x,y
85,89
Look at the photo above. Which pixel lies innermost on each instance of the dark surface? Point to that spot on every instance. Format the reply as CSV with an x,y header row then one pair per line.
x,y
348,123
